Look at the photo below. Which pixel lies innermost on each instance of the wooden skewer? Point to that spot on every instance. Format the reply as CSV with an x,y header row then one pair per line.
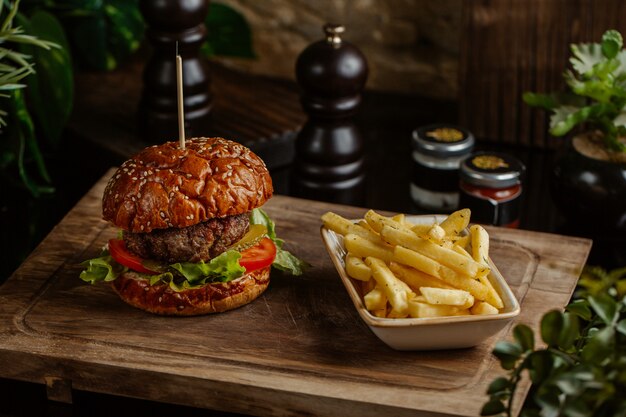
x,y
181,104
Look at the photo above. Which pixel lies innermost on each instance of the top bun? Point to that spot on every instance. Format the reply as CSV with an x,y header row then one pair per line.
x,y
164,186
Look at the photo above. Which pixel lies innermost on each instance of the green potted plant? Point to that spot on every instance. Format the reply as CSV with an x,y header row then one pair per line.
x,y
589,181
579,370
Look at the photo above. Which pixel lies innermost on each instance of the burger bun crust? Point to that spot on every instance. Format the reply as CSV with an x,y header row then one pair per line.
x,y
210,298
164,186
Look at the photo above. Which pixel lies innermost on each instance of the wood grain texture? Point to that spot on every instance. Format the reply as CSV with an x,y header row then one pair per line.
x,y
509,47
300,349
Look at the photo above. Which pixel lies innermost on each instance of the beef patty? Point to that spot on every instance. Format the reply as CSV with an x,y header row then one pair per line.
x,y
202,241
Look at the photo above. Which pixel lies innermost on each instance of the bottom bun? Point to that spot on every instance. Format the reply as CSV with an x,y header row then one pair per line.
x,y
211,298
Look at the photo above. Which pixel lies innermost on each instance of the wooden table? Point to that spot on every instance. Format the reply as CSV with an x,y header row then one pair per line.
x,y
300,349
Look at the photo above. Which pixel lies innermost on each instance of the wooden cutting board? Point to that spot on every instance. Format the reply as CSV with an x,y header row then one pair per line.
x,y
300,349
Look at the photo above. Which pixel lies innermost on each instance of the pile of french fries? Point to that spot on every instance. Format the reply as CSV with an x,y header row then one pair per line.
x,y
418,270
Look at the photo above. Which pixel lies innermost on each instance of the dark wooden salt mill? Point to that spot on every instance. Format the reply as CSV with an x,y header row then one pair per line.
x,y
169,22
328,163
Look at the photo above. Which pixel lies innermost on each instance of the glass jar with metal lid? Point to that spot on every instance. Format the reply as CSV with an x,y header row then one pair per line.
x,y
491,186
437,153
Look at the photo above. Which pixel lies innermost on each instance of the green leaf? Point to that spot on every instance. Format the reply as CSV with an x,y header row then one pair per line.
x,y
492,407
524,337
585,57
570,331
565,118
258,216
228,32
569,384
612,43
25,131
104,32
580,308
222,268
545,101
551,325
621,326
100,269
605,307
498,385
508,353
51,90
599,346
287,262
541,365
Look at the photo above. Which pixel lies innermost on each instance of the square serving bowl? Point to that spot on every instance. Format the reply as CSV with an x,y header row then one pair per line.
x,y
426,333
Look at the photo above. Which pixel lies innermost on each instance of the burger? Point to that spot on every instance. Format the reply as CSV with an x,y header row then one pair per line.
x,y
193,239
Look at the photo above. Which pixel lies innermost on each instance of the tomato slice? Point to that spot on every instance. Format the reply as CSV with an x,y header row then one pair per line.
x,y
121,255
259,256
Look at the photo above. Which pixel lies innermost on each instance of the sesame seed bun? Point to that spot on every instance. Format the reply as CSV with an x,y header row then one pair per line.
x,y
164,186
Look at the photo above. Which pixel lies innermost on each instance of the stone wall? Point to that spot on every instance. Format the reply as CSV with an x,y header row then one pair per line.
x,y
411,45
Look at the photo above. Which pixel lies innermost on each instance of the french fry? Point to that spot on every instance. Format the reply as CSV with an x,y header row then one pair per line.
x,y
364,225
356,268
363,248
416,279
457,298
375,299
463,282
456,222
462,241
436,233
394,290
393,314
483,308
421,230
377,222
418,270
459,249
492,297
398,218
343,226
419,309
442,255
480,244
416,260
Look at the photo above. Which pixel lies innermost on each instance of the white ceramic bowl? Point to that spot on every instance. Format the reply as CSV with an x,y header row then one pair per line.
x,y
426,333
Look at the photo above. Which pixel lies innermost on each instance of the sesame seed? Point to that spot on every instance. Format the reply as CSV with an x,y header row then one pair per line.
x,y
160,299
134,178
141,227
162,215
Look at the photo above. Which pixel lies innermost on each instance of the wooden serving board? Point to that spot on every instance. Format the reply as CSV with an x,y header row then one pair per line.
x,y
300,349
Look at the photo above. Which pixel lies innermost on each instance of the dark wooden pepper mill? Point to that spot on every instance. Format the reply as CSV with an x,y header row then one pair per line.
x,y
169,22
328,163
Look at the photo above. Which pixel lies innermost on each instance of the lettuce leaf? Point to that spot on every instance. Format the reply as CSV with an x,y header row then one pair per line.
x,y
285,260
222,268
103,268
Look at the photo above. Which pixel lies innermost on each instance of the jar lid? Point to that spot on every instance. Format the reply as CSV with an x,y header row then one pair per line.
x,y
443,140
492,170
